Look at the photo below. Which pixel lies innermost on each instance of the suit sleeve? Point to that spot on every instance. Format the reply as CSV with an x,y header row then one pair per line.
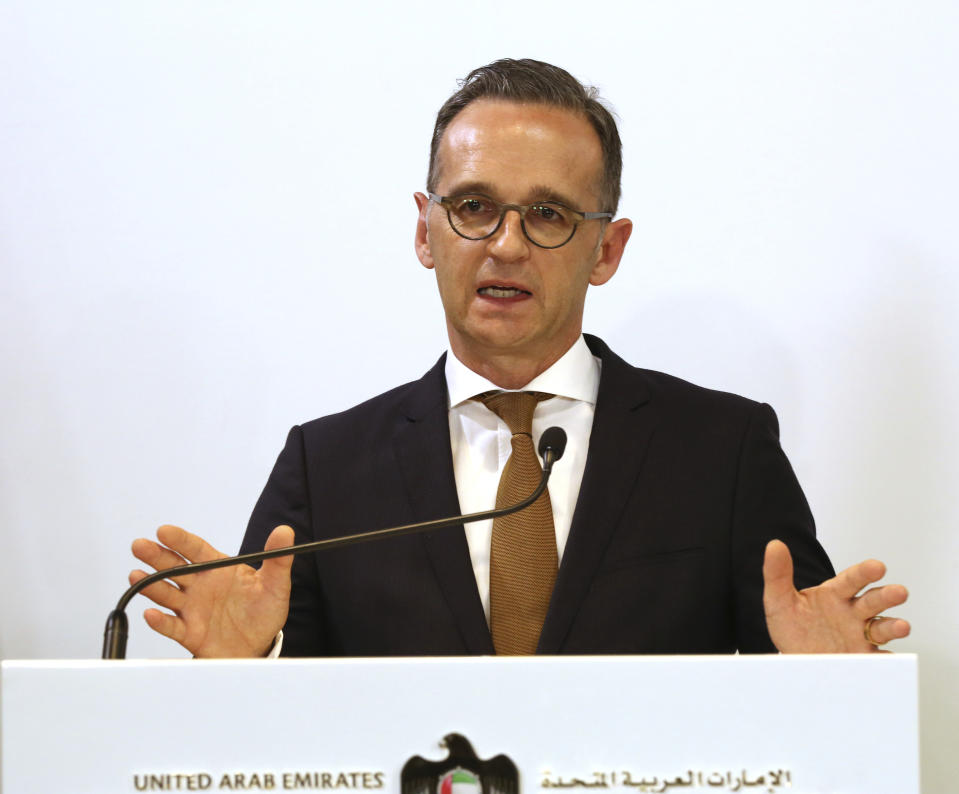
x,y
769,504
286,500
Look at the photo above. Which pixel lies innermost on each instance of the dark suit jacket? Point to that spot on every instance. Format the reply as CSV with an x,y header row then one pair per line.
x,y
683,488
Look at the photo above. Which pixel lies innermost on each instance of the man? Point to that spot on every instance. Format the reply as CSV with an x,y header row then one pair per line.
x,y
653,537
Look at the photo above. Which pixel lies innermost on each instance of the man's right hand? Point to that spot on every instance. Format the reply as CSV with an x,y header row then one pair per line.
x,y
224,613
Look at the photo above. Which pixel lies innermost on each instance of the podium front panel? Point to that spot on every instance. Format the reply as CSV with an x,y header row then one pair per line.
x,y
617,724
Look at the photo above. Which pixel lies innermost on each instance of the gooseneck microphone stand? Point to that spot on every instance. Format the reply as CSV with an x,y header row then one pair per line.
x,y
552,444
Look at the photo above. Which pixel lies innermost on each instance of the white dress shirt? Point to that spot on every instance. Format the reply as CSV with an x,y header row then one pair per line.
x,y
481,445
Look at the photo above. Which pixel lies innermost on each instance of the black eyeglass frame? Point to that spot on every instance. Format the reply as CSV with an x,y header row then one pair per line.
x,y
522,209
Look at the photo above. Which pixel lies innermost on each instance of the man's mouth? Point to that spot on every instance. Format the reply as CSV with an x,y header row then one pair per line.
x,y
502,292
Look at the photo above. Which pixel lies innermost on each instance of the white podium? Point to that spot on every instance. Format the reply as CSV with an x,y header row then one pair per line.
x,y
622,724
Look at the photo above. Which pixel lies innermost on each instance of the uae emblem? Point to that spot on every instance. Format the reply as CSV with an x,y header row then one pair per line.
x,y
462,772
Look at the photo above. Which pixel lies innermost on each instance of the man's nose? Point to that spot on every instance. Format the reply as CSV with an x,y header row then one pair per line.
x,y
509,242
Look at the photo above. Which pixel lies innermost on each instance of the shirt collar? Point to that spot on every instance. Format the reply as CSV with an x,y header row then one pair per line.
x,y
575,375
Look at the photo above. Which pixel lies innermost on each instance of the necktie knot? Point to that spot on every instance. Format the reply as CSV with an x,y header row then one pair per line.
x,y
515,408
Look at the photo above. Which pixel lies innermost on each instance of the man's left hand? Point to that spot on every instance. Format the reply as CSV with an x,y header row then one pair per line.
x,y
832,617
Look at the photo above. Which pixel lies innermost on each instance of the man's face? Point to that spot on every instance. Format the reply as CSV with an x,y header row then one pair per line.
x,y
506,299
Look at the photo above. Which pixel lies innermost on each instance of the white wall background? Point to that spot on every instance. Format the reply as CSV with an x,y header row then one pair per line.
x,y
188,194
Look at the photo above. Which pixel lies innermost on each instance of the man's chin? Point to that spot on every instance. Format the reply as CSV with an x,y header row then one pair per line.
x,y
496,339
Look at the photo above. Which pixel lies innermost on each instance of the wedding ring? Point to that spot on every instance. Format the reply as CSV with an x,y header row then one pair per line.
x,y
867,630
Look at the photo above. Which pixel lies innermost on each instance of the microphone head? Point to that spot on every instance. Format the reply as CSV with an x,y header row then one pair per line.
x,y
554,439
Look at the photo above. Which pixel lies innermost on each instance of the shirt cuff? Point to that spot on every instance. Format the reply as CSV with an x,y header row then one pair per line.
x,y
277,646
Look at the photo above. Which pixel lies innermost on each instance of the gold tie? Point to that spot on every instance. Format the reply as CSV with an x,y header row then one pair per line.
x,y
523,558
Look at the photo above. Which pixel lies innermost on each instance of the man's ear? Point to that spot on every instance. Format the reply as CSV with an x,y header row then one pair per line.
x,y
611,248
422,240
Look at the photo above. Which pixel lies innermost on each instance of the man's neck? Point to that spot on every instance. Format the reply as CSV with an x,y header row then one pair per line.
x,y
510,371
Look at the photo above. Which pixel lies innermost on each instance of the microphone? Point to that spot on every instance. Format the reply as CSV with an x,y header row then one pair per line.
x,y
552,444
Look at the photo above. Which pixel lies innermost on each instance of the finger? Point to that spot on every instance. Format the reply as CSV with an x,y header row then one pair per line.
x,y
191,547
778,588
854,578
276,571
879,599
162,593
155,555
167,625
883,630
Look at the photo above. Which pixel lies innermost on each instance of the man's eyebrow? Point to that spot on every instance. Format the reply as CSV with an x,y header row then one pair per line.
x,y
546,193
477,188
533,195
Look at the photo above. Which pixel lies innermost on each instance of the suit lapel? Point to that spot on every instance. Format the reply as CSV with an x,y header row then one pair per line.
x,y
618,442
422,446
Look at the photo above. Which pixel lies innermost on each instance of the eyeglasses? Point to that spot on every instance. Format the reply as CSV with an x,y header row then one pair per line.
x,y
546,224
